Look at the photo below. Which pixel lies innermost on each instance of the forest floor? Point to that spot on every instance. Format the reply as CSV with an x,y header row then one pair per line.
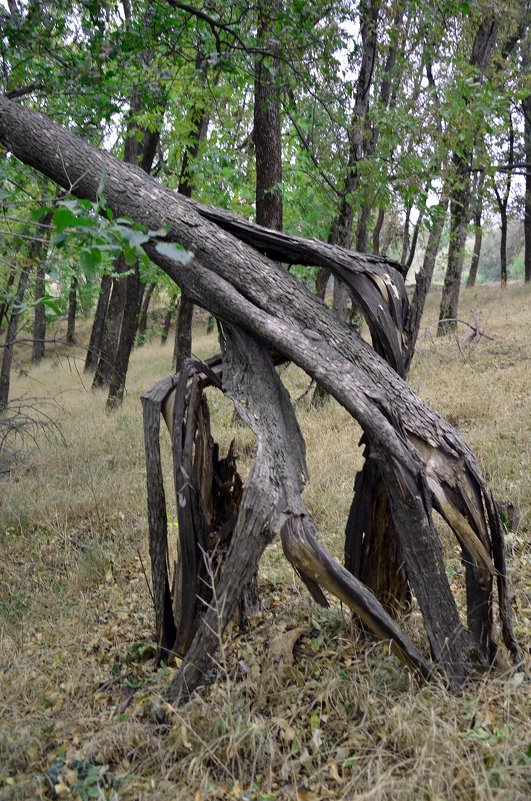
x,y
303,708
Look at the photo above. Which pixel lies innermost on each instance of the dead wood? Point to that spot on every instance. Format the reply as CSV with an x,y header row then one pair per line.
x,y
424,459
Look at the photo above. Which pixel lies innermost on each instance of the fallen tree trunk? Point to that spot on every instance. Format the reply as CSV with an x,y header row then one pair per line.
x,y
423,457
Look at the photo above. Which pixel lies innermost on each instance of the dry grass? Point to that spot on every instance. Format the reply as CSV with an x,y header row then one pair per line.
x,y
333,717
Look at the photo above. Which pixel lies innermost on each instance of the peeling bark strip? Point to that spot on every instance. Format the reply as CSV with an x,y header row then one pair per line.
x,y
425,459
207,491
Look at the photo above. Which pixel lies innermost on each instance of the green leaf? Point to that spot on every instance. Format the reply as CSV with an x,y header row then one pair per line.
x,y
89,260
64,218
174,251
38,214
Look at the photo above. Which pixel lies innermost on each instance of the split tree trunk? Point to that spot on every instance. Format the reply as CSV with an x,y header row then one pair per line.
x,y
422,457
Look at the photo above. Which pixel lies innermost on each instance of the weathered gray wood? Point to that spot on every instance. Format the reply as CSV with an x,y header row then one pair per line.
x,y
272,503
243,287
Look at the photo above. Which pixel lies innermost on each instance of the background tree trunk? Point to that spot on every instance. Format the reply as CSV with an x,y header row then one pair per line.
x,y
482,49
72,309
111,330
98,325
183,333
39,320
35,253
478,232
267,132
199,120
142,320
173,302
133,299
526,106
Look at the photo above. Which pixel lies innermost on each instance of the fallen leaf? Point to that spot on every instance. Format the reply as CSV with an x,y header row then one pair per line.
x,y
282,645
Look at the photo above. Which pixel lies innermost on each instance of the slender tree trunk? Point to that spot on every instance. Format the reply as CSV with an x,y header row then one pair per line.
x,y
133,298
424,277
35,253
405,236
142,321
267,135
414,240
456,250
183,333
96,334
478,234
482,49
526,105
341,233
377,231
39,320
72,309
198,130
503,202
362,233
142,154
503,249
6,300
321,282
113,322
170,311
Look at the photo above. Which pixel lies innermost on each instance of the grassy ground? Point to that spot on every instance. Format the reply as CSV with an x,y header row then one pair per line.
x,y
303,709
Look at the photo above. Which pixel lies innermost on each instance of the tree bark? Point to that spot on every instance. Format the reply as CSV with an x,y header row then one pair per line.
x,y
35,253
482,49
170,311
6,300
96,334
417,449
341,233
503,202
503,248
405,236
142,320
111,330
377,231
182,348
39,320
272,502
478,233
72,309
424,277
526,106
133,299
456,247
267,132
183,333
